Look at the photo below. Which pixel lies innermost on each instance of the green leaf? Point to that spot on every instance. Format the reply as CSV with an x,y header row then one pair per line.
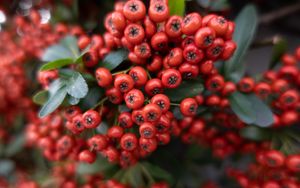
x,y
7,167
245,28
70,42
251,110
134,176
54,101
66,49
219,5
279,48
114,59
93,96
15,146
264,115
186,89
41,97
73,100
255,133
56,64
242,107
158,173
77,86
177,7
100,165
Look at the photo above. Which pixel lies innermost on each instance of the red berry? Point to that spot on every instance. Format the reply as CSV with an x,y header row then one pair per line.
x,y
128,142
87,156
188,107
91,119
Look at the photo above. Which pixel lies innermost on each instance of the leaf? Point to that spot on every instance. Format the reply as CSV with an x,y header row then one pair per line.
x,y
186,89
56,52
77,86
54,101
70,42
102,128
114,59
245,28
242,107
177,7
73,100
93,96
264,115
219,5
15,146
251,110
41,97
56,64
158,172
100,165
66,49
7,167
254,133
279,48
134,175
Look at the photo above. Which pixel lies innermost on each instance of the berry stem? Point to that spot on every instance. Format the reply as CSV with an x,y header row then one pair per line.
x,y
100,103
122,72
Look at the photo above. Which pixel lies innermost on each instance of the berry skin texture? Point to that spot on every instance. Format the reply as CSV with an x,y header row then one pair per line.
x,y
171,78
114,95
162,101
97,142
192,54
87,156
175,57
191,23
123,82
152,112
134,99
293,163
139,76
173,27
154,86
134,33
115,132
104,77
134,10
159,41
118,20
205,37
91,119
147,130
219,24
158,11
188,107
128,142
142,50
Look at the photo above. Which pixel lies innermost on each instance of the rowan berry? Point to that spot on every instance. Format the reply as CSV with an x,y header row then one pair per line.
x,y
134,99
147,130
143,50
154,87
219,24
148,145
246,85
191,23
128,142
91,119
188,107
293,163
104,77
216,49
134,33
137,117
150,27
262,89
192,54
215,83
175,57
118,21
114,95
97,143
171,78
188,71
162,101
115,132
158,11
159,41
125,120
87,156
152,112
173,26
205,37
134,10
123,82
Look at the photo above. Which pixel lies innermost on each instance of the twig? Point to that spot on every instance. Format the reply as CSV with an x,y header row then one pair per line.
x,y
277,14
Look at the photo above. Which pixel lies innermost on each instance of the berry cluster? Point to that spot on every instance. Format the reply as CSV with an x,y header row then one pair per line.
x,y
272,170
164,50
